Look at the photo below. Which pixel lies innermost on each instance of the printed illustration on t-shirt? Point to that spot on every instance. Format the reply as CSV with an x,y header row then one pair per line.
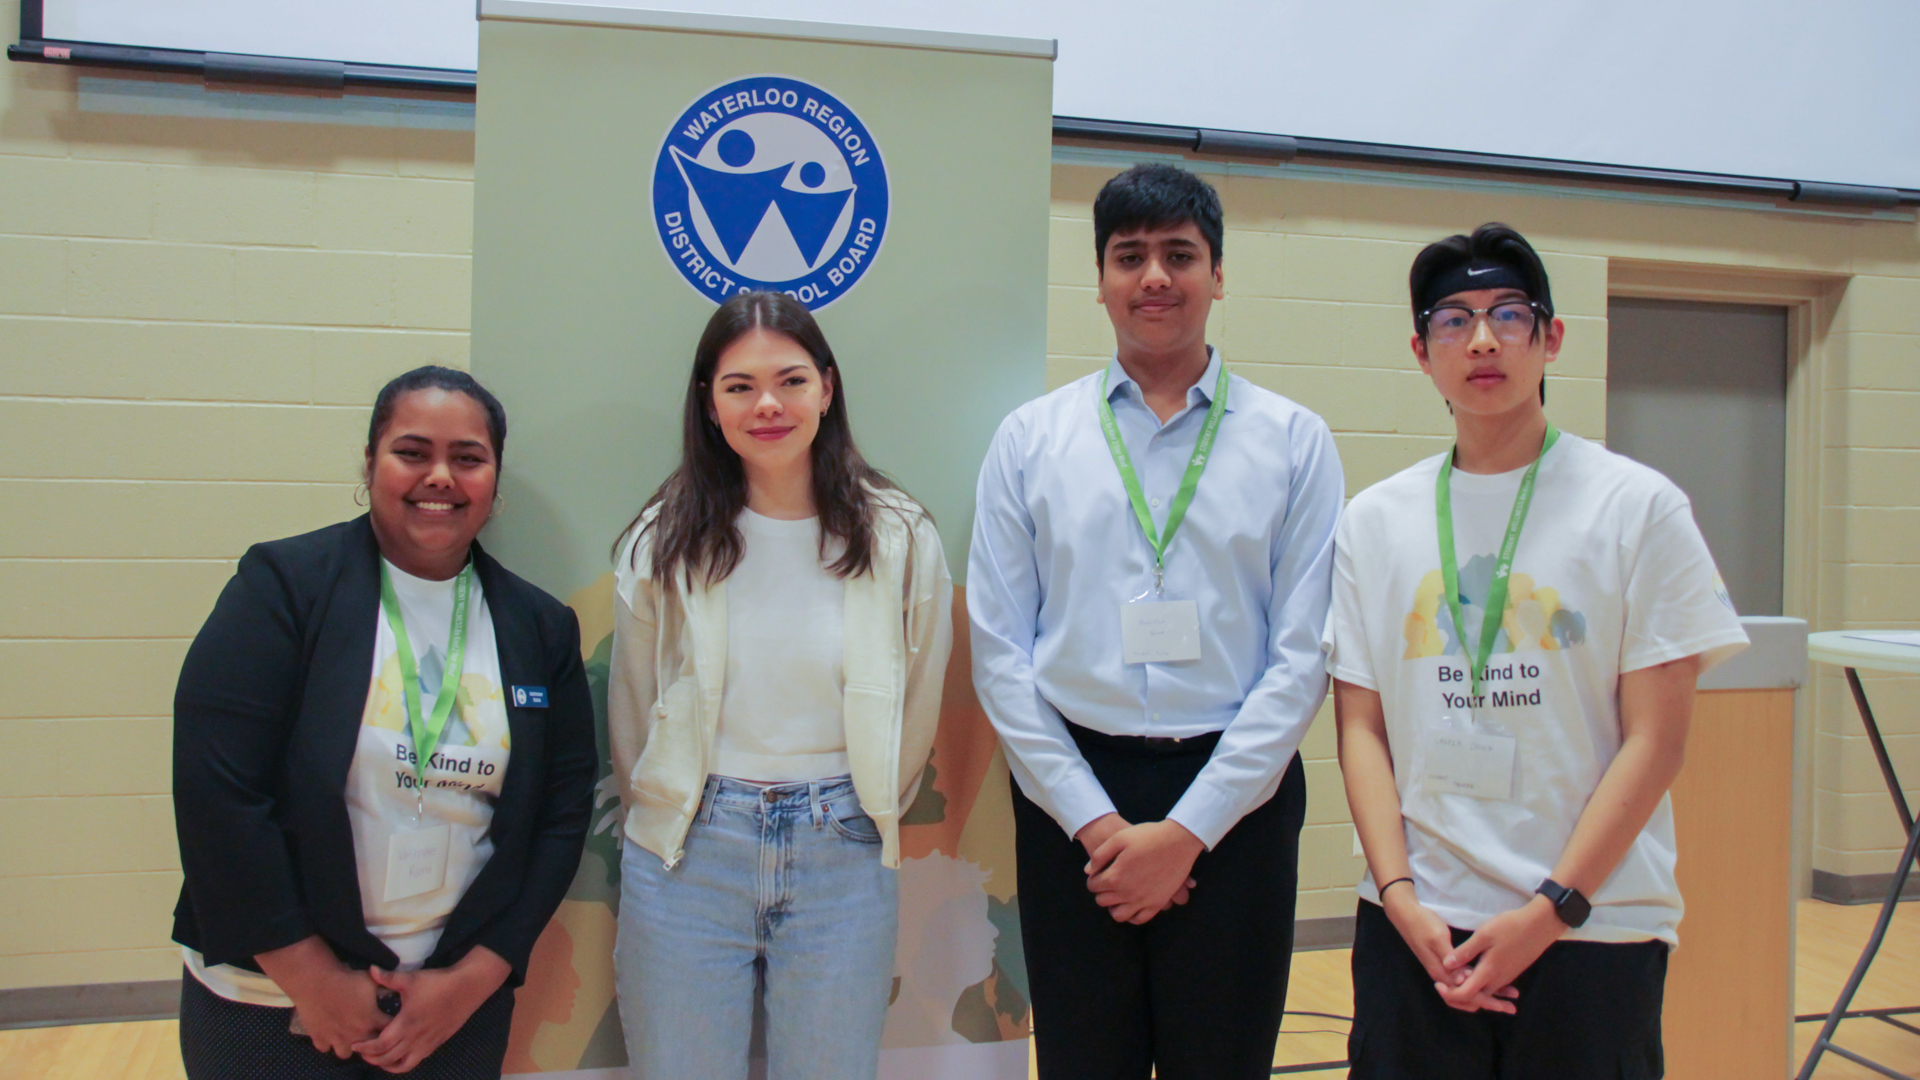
x,y
479,718
1534,620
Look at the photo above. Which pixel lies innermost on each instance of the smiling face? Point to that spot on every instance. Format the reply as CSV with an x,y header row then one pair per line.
x,y
1158,286
767,400
430,480
1485,375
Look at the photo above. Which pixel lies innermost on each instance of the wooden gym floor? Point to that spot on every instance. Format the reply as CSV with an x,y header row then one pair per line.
x,y
1829,940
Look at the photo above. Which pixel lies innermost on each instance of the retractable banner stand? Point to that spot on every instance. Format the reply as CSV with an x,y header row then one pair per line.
x,y
635,168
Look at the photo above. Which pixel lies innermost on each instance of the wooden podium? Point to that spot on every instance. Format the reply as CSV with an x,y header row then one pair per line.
x,y
1729,1000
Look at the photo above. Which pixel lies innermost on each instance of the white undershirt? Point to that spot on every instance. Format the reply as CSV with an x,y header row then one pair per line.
x,y
781,713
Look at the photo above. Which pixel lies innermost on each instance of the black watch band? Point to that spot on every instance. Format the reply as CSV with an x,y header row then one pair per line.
x,y
1572,908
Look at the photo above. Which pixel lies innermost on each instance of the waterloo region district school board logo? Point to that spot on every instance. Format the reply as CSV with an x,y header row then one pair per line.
x,y
770,183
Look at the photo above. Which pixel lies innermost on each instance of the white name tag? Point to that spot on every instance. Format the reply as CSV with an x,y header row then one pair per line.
x,y
1160,631
417,862
1468,763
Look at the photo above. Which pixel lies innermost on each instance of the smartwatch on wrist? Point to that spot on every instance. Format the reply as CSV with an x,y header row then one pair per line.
x,y
1572,908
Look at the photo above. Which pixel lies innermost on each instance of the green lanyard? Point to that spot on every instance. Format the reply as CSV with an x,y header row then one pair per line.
x,y
1496,608
426,734
1188,484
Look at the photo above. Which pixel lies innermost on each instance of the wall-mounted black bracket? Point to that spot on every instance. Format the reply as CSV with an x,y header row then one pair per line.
x,y
1871,198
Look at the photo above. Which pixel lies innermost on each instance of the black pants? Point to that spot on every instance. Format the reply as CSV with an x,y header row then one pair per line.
x,y
1587,1011
1199,989
228,1040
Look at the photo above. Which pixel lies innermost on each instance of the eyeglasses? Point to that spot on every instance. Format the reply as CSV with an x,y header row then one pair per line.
x,y
1512,321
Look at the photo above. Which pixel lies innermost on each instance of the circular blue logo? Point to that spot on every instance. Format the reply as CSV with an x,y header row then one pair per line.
x,y
770,183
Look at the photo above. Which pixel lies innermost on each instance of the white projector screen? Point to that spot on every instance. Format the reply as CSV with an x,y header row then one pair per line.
x,y
1767,88
410,33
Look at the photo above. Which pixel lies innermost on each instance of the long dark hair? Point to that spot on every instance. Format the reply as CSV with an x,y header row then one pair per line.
x,y
696,530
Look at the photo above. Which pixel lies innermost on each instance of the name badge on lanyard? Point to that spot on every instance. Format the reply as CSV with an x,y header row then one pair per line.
x,y
1462,761
417,861
1158,630
1460,757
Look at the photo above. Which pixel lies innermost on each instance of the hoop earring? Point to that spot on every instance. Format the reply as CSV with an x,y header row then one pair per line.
x,y
499,506
362,495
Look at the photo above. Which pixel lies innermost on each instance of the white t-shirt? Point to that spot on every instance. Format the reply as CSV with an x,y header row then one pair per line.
x,y
1611,575
781,714
463,778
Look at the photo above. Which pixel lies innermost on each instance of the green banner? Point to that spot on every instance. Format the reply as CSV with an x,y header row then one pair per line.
x,y
628,175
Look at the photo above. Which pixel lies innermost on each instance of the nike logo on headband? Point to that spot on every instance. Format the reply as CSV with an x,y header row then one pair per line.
x,y
1482,270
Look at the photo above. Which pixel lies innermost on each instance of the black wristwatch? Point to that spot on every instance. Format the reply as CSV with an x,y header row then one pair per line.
x,y
1572,908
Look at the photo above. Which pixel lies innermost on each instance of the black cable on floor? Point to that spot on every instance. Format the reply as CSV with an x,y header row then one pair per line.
x,y
1312,1066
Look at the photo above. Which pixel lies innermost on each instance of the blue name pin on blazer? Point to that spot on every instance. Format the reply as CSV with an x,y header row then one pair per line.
x,y
529,697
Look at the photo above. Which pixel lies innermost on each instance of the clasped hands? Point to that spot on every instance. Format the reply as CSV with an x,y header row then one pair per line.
x,y
339,1008
1138,871
1479,972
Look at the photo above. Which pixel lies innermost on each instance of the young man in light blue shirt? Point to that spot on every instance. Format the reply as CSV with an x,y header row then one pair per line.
x,y
1147,586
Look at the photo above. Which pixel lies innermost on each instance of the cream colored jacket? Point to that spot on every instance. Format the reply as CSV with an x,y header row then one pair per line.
x,y
670,662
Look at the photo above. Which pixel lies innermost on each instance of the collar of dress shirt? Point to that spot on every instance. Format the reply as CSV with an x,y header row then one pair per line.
x,y
1200,394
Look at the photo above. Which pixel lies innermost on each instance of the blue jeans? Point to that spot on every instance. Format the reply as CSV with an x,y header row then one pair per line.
x,y
781,885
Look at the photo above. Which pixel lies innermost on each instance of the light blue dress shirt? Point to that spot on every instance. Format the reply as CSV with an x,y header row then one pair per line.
x,y
1057,550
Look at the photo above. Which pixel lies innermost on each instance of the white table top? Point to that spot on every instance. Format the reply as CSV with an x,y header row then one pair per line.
x,y
1850,648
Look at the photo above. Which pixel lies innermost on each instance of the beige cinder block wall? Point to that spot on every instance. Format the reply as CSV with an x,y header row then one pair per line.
x,y
1316,269
194,316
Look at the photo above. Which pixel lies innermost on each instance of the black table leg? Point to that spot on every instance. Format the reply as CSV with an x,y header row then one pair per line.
x,y
1825,1042
1880,750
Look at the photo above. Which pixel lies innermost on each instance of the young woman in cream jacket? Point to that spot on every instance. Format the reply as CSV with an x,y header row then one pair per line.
x,y
782,625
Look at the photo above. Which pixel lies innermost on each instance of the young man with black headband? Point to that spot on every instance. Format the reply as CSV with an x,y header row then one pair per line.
x,y
1147,586
1516,630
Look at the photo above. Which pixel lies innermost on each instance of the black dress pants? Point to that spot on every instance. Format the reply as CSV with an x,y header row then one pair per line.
x,y
1198,990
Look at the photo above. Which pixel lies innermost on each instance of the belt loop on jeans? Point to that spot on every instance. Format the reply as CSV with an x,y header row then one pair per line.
x,y
813,799
708,798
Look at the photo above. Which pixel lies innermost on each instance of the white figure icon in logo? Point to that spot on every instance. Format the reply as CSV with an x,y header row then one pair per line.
x,y
770,195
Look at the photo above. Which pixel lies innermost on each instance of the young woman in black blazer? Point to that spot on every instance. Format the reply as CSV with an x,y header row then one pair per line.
x,y
352,904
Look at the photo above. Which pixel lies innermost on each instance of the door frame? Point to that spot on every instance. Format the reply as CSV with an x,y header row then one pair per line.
x,y
1810,301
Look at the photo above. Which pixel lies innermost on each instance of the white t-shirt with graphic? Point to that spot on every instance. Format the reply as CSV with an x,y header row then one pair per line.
x,y
463,778
782,712
1611,575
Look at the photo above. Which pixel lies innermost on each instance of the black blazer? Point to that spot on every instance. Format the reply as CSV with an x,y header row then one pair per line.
x,y
265,722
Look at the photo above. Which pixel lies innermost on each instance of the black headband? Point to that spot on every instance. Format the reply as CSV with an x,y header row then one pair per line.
x,y
1475,274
